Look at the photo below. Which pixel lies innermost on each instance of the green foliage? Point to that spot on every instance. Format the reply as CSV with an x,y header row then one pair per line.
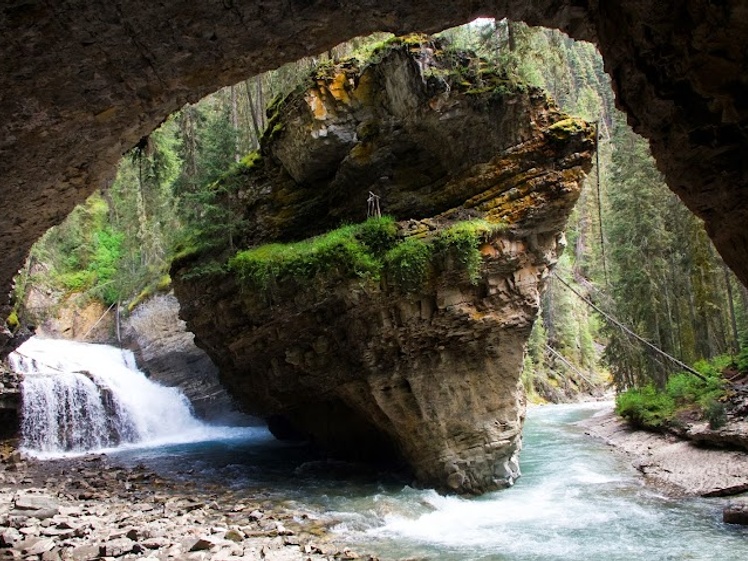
x,y
742,359
78,281
407,264
81,254
716,414
378,234
650,407
645,407
99,276
345,252
107,253
667,282
571,71
364,250
463,240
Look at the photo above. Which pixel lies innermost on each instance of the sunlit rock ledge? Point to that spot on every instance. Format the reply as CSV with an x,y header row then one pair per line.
x,y
404,345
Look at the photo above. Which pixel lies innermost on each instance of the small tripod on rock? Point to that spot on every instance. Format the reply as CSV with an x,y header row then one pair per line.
x,y
372,206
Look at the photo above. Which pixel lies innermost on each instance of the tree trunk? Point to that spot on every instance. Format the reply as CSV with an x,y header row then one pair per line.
x,y
731,307
235,124
256,123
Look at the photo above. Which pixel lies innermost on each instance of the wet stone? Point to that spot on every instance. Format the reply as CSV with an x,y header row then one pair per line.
x,y
200,544
736,512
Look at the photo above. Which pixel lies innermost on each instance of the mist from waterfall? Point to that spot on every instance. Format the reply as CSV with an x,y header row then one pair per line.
x,y
81,397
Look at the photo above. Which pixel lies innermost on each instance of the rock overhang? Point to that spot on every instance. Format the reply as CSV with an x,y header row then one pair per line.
x,y
417,343
82,82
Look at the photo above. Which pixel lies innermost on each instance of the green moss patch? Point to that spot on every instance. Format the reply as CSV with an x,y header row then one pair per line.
x,y
408,263
251,160
12,321
349,251
566,128
368,250
463,240
161,285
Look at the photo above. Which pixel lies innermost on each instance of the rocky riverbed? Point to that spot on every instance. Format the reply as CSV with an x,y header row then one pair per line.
x,y
87,508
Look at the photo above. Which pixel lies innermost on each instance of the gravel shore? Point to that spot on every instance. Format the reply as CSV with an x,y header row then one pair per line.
x,y
87,509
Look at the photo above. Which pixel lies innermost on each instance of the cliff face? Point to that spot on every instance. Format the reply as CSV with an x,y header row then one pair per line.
x,y
10,402
359,358
166,352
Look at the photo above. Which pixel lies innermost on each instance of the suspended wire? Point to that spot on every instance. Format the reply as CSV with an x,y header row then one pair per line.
x,y
563,359
600,201
98,321
629,332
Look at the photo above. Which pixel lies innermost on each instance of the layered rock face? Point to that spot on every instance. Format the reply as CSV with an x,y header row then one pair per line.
x,y
82,82
10,402
165,350
364,364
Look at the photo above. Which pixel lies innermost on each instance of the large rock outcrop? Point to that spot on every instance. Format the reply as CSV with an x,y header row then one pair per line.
x,y
166,352
364,362
81,82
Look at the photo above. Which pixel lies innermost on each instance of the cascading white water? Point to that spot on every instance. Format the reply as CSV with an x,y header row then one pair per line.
x,y
80,397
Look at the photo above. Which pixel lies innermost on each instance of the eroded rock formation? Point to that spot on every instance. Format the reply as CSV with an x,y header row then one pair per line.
x,y
361,362
166,352
81,82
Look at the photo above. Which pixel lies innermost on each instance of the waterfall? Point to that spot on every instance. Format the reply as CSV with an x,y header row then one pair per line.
x,y
80,397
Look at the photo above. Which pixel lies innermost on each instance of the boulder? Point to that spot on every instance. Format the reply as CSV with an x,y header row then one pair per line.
x,y
372,363
736,512
36,506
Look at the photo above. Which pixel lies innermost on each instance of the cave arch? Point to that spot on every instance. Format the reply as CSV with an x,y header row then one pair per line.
x,y
81,82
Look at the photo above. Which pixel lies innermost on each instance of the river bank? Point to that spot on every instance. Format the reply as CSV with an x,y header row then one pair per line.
x,y
86,508
257,499
678,467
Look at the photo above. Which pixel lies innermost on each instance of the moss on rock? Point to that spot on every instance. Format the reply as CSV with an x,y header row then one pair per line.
x,y
368,250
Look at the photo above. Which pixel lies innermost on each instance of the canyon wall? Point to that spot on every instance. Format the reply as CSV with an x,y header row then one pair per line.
x,y
82,82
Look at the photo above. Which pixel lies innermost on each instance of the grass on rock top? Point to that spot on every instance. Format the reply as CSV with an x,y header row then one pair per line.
x,y
369,250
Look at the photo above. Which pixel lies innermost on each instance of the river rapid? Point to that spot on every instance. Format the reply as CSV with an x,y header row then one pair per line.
x,y
576,499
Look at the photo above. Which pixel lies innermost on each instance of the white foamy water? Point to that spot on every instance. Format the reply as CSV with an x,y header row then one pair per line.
x,y
80,398
575,500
